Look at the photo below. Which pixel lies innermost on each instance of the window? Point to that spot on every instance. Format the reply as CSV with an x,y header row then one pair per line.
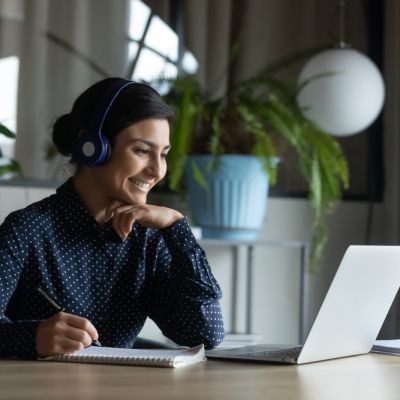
x,y
9,69
154,48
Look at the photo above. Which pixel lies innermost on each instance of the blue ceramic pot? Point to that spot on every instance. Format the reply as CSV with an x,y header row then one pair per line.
x,y
234,204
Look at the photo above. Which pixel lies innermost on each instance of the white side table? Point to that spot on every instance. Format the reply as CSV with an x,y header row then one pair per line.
x,y
302,246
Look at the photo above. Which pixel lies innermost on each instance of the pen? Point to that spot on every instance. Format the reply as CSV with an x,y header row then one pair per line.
x,y
58,308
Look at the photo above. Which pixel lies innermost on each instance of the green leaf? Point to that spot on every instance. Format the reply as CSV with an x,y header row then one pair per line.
x,y
12,167
263,147
6,132
175,178
318,243
198,176
316,187
181,135
215,146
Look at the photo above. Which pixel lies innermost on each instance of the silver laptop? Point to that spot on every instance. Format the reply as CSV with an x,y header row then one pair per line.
x,y
350,317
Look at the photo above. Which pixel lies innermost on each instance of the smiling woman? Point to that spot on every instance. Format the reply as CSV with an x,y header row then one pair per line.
x,y
97,247
137,163
138,160
126,137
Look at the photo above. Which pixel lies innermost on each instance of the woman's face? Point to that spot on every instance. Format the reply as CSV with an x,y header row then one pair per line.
x,y
137,162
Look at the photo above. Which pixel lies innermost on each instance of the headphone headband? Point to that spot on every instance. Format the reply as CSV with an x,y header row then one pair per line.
x,y
93,148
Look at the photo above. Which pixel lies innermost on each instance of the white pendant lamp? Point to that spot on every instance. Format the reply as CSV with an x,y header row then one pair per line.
x,y
342,90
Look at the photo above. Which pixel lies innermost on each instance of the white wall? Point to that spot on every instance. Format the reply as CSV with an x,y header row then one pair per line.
x,y
276,274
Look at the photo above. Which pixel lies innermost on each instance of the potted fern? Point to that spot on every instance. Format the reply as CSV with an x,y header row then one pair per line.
x,y
254,119
8,166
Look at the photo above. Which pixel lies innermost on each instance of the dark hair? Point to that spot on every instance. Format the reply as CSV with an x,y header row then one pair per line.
x,y
135,103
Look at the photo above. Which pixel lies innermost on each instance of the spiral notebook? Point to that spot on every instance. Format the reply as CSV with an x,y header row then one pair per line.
x,y
173,358
391,347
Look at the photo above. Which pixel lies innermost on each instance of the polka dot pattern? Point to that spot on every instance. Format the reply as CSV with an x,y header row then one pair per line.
x,y
56,244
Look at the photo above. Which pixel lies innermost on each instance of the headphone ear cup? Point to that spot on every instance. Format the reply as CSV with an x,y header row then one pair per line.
x,y
93,148
107,155
93,151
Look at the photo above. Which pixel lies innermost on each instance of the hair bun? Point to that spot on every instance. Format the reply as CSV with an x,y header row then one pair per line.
x,y
65,135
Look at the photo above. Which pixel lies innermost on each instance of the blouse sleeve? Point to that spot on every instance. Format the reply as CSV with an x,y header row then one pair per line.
x,y
17,338
184,296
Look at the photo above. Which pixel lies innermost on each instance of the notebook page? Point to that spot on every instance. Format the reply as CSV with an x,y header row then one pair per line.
x,y
96,351
387,347
394,343
151,357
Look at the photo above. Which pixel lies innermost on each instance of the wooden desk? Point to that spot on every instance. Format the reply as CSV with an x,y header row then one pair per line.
x,y
365,377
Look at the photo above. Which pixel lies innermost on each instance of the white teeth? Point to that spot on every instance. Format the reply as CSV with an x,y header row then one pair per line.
x,y
142,185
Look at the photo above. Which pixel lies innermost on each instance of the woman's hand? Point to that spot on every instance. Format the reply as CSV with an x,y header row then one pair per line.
x,y
64,333
124,216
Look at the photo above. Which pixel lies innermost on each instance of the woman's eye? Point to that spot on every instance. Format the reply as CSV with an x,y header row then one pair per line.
x,y
142,151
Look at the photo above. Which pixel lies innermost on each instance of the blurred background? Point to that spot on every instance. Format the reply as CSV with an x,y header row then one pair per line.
x,y
51,50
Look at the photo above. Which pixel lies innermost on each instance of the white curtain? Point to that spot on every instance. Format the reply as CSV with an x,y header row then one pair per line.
x,y
388,225
264,30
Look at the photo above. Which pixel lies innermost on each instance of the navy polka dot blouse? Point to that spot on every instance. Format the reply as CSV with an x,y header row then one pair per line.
x,y
56,244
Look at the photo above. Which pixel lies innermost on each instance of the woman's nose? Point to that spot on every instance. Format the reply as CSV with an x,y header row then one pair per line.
x,y
155,168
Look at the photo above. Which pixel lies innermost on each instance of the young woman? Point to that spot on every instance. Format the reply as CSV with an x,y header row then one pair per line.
x,y
97,248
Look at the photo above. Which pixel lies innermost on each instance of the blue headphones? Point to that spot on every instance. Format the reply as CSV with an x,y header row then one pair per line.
x,y
93,148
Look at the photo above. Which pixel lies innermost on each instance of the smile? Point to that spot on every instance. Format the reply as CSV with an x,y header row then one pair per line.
x,y
141,185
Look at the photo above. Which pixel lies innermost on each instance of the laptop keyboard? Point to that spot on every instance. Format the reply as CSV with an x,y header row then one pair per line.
x,y
289,352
